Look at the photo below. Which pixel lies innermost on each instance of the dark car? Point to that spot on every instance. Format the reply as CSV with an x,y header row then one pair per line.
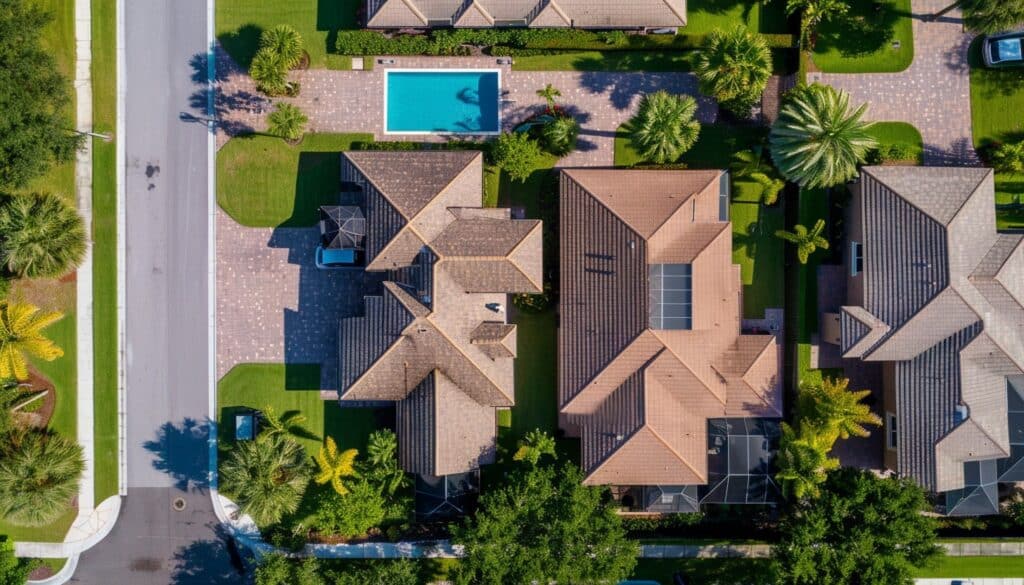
x,y
1003,50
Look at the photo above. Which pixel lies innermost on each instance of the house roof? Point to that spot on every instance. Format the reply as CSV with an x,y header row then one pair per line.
x,y
535,13
436,341
642,396
942,299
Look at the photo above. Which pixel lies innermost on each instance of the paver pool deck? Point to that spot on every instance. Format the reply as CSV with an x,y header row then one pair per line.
x,y
353,101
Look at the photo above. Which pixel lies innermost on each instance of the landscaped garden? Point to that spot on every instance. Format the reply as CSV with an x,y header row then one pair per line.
x,y
872,37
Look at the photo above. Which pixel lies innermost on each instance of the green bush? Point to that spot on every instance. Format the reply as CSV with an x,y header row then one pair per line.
x,y
614,38
653,525
350,515
530,303
890,153
517,154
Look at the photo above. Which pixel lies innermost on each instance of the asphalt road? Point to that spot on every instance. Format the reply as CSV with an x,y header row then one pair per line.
x,y
166,313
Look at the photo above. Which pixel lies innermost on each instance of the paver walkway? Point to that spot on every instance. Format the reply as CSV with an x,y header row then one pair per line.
x,y
933,94
353,101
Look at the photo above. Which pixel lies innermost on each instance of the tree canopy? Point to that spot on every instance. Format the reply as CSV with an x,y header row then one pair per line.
x,y
39,473
544,526
35,125
266,477
41,236
863,529
14,571
663,127
734,68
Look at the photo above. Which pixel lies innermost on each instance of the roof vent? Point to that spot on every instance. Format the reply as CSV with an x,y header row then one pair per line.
x,y
961,413
496,307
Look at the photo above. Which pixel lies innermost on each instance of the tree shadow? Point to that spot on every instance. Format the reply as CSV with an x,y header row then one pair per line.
x,y
993,82
242,44
224,102
961,153
182,452
625,89
218,560
866,28
335,15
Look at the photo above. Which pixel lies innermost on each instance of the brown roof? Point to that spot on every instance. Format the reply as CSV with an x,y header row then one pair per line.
x,y
642,396
535,13
437,343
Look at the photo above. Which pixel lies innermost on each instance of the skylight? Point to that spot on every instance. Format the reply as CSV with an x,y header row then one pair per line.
x,y
671,296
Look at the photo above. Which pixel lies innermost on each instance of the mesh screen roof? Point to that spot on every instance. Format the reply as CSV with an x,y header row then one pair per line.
x,y
342,226
447,496
980,496
671,296
740,454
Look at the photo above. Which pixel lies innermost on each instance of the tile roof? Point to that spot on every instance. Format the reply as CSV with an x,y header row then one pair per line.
x,y
642,397
942,299
436,342
535,13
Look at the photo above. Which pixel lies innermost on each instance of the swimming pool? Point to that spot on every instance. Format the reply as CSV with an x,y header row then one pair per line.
x,y
448,101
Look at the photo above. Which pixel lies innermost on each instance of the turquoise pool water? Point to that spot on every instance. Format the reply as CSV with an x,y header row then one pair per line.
x,y
457,102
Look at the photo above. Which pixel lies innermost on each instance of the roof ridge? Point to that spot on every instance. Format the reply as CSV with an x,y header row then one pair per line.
x,y
415,10
681,204
658,436
448,185
554,6
945,226
892,332
591,194
668,4
511,254
391,349
487,15
687,366
604,368
429,318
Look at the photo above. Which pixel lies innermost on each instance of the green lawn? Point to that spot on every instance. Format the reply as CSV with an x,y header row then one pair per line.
x,y
653,61
262,181
975,567
104,233
704,571
861,41
755,248
899,133
704,16
240,22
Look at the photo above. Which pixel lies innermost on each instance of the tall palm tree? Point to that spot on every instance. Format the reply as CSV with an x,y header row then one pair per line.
x,y
834,408
269,72
381,467
39,475
266,477
560,135
734,67
534,445
664,128
286,42
287,121
812,14
802,462
806,241
817,141
41,236
549,93
21,335
751,164
335,466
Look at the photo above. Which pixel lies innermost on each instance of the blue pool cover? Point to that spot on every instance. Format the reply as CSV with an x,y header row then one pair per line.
x,y
459,102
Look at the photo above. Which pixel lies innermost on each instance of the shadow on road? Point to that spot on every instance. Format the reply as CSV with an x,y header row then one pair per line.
x,y
216,560
182,452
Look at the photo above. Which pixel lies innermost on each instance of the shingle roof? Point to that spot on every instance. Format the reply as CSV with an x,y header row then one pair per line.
x,y
436,344
939,285
640,396
536,13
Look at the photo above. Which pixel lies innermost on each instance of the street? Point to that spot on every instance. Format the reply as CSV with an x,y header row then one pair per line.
x,y
166,314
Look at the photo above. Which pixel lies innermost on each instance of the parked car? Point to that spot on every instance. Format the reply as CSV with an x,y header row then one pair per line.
x,y
330,258
1003,50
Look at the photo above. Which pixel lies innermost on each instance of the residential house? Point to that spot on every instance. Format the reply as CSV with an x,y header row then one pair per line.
x,y
935,295
673,404
606,14
436,343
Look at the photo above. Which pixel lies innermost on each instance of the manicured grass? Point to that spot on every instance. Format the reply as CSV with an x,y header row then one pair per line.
x,y
262,181
53,532
240,22
975,568
861,41
704,571
704,16
899,133
755,247
104,235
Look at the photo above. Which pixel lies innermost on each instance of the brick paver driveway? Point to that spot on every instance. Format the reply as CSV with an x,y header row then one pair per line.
x,y
933,94
352,101
273,305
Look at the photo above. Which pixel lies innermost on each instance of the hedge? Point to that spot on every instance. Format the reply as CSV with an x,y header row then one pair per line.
x,y
514,41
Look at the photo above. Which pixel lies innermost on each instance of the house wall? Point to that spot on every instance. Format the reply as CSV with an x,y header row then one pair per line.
x,y
854,233
889,406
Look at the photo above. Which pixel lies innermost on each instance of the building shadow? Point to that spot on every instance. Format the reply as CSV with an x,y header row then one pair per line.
x,y
182,452
216,560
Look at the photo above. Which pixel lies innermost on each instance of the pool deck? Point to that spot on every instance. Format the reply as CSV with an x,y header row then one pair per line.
x,y
353,101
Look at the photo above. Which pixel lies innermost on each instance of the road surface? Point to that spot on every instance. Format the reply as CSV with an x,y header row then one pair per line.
x,y
166,313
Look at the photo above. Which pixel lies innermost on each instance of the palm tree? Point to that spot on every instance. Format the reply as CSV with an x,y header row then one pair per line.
x,y
812,14
734,68
334,466
807,241
381,467
286,42
751,165
560,135
834,408
816,140
42,236
803,462
664,128
987,16
534,445
39,475
549,93
287,121
269,72
288,424
266,477
21,335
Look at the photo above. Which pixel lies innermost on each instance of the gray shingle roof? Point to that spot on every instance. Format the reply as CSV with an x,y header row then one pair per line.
x,y
536,13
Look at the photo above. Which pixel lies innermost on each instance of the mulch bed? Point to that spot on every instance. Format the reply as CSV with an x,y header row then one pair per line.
x,y
39,418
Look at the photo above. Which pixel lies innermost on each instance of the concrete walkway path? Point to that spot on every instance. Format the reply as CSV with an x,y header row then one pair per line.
x,y
933,94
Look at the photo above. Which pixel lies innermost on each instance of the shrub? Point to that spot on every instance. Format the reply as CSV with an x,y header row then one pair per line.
x,y
1008,158
287,121
517,154
284,41
350,515
531,303
1015,510
560,135
614,38
269,72
889,153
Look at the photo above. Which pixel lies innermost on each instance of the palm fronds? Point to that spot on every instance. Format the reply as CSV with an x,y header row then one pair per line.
x,y
664,128
335,466
21,335
41,236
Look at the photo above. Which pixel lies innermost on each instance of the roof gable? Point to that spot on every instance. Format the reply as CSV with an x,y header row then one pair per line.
x,y
395,13
410,183
939,192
